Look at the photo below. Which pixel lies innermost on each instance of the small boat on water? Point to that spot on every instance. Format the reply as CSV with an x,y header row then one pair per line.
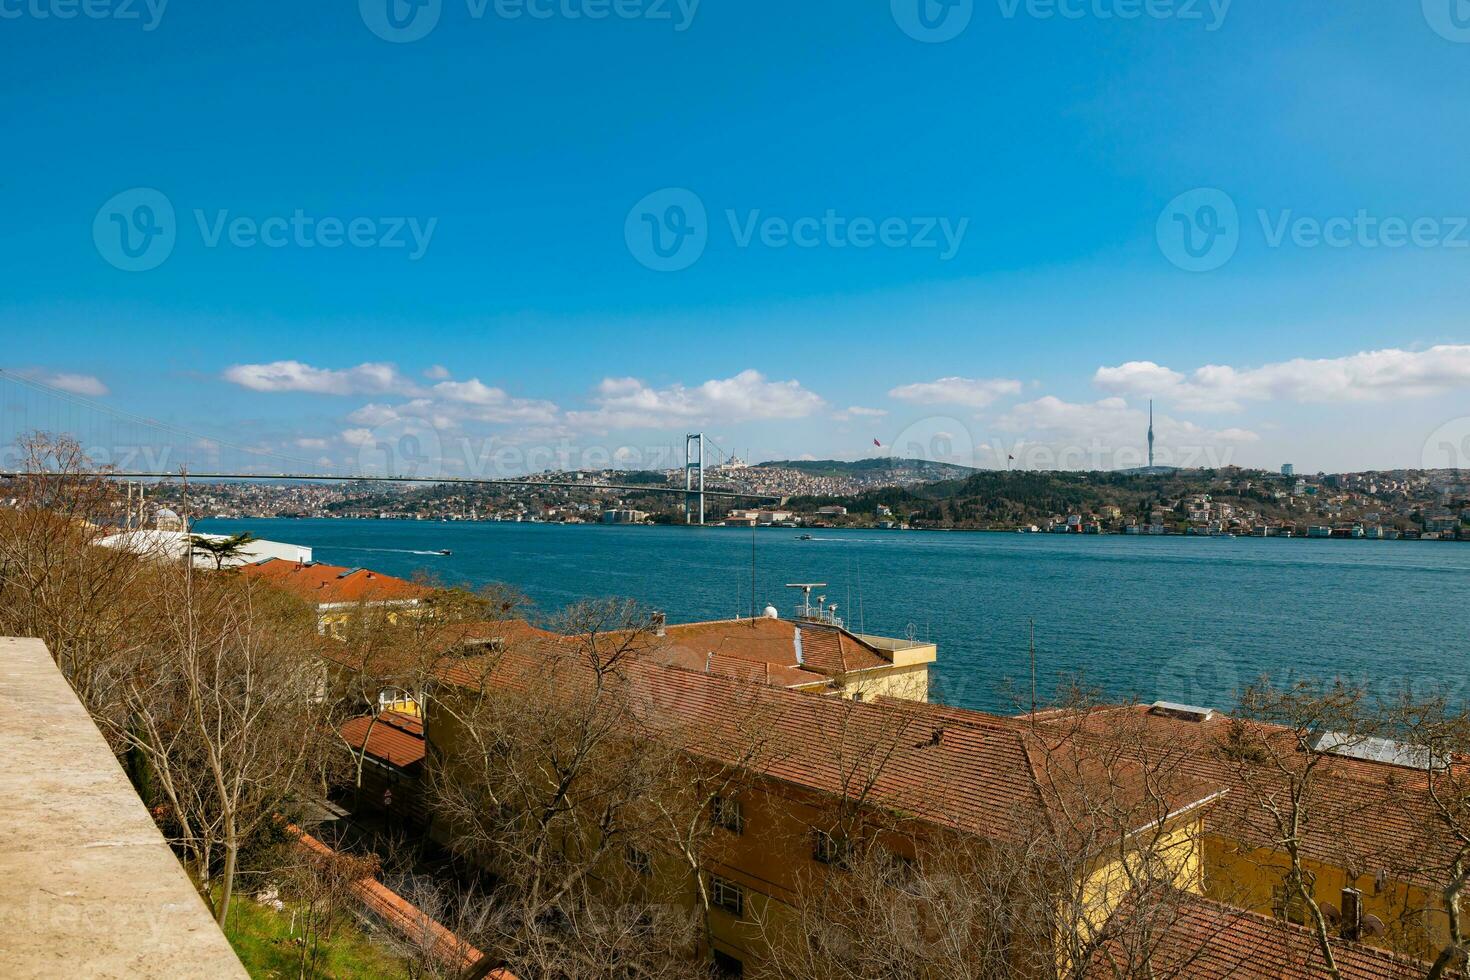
x,y
803,537
445,551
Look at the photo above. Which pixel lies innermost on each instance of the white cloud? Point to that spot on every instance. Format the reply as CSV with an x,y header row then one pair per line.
x,y
1379,375
858,412
629,403
279,376
311,443
77,384
1111,434
479,402
972,392
357,437
437,373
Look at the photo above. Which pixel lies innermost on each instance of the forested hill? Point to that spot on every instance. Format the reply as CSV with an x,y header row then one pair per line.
x,y
991,498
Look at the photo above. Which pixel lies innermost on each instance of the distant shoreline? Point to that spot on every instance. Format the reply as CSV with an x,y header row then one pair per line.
x,y
804,530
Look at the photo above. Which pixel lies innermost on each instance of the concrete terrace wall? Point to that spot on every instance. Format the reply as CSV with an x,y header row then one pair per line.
x,y
88,887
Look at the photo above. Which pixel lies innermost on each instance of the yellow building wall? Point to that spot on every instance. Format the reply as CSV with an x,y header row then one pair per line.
x,y
1248,877
1107,883
910,683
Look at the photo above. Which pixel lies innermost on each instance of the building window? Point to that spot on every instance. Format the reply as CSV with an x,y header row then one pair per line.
x,y
727,895
728,967
831,849
639,861
901,872
727,812
1287,905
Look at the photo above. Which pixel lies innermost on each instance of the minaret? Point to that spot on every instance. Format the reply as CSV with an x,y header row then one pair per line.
x,y
1150,433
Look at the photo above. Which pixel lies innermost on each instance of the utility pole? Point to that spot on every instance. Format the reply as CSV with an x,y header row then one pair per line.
x,y
1033,672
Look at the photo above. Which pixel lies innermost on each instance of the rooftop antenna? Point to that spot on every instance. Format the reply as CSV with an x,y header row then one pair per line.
x,y
752,576
806,597
849,585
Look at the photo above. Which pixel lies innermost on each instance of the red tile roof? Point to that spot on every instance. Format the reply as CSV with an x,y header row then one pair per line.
x,y
395,738
814,650
976,773
322,584
1193,937
433,643
1366,815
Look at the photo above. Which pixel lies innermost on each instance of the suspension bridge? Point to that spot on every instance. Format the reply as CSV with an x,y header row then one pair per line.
x,y
403,451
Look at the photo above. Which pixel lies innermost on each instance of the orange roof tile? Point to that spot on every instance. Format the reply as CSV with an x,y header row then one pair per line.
x,y
1362,814
324,584
976,774
395,738
1204,940
808,647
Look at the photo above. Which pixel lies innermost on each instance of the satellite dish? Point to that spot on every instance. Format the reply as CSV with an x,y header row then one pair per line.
x,y
1373,926
1330,913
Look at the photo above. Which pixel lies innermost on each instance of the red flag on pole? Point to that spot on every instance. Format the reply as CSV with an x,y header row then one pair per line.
x,y
877,443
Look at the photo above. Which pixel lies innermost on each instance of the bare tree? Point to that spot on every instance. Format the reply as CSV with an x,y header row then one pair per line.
x,y
1439,739
85,601
1280,747
321,884
380,650
548,786
222,705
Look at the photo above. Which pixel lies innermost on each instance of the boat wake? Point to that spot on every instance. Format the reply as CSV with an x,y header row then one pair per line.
x,y
389,551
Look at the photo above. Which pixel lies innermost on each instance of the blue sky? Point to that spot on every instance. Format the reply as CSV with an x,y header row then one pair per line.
x,y
1032,288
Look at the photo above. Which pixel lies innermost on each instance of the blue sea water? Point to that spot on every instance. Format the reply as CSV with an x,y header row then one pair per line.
x,y
1183,619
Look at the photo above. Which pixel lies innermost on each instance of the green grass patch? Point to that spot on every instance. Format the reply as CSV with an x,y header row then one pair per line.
x,y
263,939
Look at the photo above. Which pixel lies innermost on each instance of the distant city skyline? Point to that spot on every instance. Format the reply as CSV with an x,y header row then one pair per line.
x,y
798,230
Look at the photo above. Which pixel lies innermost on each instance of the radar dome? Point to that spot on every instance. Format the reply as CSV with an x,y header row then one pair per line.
x,y
771,613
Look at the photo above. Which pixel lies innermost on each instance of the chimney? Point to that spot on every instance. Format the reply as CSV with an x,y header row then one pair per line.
x,y
1352,914
660,620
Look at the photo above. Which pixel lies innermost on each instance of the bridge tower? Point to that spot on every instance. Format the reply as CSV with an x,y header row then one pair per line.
x,y
693,477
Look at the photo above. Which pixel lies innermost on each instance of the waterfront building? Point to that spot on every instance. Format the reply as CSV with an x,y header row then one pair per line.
x,y
337,592
175,544
804,654
624,516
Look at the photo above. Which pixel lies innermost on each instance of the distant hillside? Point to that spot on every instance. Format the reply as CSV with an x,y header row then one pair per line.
x,y
994,498
872,467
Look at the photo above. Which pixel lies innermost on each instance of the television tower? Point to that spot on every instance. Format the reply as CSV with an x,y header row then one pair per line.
x,y
1150,433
